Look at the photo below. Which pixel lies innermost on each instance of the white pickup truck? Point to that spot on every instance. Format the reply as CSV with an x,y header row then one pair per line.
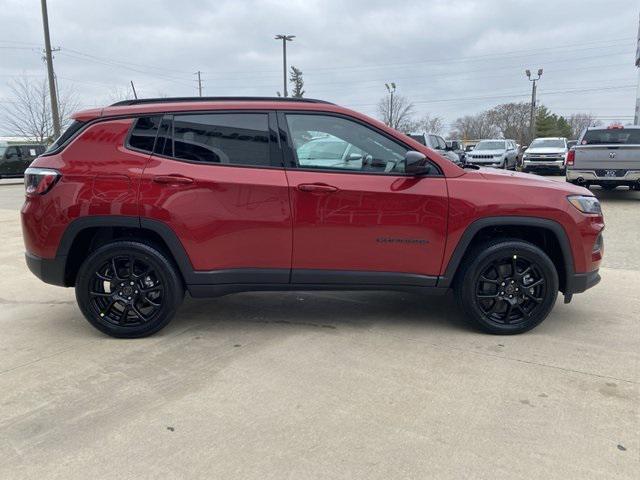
x,y
606,156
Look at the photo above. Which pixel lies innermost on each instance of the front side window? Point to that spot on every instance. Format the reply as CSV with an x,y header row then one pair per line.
x,y
334,143
224,138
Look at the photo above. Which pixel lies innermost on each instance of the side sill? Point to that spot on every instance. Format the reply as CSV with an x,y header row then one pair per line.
x,y
205,291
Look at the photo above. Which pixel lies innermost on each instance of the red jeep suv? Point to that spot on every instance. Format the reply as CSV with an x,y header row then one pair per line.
x,y
138,201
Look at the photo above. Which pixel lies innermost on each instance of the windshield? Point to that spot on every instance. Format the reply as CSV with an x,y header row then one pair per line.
x,y
2,150
490,145
613,136
547,143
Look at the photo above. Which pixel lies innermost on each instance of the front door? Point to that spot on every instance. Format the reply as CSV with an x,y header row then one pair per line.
x,y
216,179
357,218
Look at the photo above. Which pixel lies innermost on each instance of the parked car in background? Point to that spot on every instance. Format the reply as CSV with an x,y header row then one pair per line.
x,y
546,154
494,153
144,199
571,143
609,157
456,147
436,142
16,157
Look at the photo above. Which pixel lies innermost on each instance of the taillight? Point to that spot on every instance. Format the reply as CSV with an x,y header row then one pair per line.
x,y
38,181
571,157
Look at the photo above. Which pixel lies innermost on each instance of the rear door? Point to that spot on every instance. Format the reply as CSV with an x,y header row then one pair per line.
x,y
361,220
12,160
217,180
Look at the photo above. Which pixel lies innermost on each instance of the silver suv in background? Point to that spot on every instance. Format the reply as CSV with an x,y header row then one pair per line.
x,y
547,154
494,153
606,156
436,142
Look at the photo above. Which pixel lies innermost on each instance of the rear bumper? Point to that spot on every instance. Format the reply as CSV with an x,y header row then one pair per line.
x,y
631,177
48,270
580,282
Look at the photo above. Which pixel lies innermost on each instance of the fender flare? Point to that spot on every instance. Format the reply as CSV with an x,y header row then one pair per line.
x,y
160,228
462,247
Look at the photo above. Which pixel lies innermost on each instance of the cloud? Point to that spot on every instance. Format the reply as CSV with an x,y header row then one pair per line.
x,y
450,57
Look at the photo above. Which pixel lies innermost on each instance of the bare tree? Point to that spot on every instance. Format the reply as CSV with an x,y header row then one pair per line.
x,y
427,123
396,111
474,127
579,121
29,110
512,120
118,93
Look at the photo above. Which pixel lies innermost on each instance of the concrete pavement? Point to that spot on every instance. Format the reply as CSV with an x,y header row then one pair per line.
x,y
322,385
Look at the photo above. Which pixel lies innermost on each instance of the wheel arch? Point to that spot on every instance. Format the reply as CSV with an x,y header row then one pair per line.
x,y
85,234
543,232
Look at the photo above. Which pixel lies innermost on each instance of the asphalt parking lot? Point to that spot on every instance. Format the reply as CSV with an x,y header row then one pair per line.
x,y
322,385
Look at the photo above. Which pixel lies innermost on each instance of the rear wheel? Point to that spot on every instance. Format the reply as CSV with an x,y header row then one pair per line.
x,y
507,286
128,289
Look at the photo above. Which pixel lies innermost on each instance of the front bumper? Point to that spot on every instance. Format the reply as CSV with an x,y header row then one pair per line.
x,y
543,164
485,163
579,282
48,270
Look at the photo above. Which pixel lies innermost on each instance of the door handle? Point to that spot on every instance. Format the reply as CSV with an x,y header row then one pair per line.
x,y
172,179
317,188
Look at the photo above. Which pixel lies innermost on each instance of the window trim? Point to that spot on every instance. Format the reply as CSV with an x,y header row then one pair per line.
x,y
275,151
291,159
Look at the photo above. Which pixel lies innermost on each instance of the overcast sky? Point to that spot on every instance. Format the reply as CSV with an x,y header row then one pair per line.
x,y
449,57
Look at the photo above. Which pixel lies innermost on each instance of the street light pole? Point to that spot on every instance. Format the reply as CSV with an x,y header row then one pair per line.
x,y
532,115
52,81
285,39
391,88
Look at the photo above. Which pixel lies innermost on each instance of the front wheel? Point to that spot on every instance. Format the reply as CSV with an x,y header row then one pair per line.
x,y
507,286
128,289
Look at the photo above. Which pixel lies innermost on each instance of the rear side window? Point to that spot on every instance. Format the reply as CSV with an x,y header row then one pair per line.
x,y
224,138
620,136
144,133
68,133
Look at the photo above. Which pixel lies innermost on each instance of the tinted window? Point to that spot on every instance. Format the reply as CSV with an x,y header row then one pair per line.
x,y
227,138
144,133
327,142
419,139
68,133
32,151
629,136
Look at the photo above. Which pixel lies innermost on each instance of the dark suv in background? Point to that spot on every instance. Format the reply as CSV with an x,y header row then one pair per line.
x,y
142,200
16,157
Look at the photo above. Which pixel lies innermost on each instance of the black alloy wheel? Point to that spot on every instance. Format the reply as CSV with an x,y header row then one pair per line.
x,y
507,286
128,289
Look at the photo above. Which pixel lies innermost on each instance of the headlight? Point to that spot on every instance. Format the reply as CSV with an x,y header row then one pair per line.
x,y
585,204
499,155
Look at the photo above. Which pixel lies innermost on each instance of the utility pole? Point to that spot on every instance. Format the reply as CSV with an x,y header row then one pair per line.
x,y
285,39
532,115
199,83
391,88
52,81
636,119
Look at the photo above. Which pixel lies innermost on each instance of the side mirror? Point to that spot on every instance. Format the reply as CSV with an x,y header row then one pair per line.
x,y
354,156
415,163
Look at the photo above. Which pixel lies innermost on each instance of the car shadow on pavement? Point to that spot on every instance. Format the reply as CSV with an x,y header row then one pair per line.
x,y
618,195
322,310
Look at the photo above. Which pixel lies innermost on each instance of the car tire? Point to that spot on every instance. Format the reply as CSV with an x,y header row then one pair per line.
x,y
128,289
500,300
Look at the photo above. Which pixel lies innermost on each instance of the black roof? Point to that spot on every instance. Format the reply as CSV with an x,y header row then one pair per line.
x,y
141,101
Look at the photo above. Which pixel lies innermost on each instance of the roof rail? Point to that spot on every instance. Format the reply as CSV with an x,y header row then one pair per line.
x,y
141,101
